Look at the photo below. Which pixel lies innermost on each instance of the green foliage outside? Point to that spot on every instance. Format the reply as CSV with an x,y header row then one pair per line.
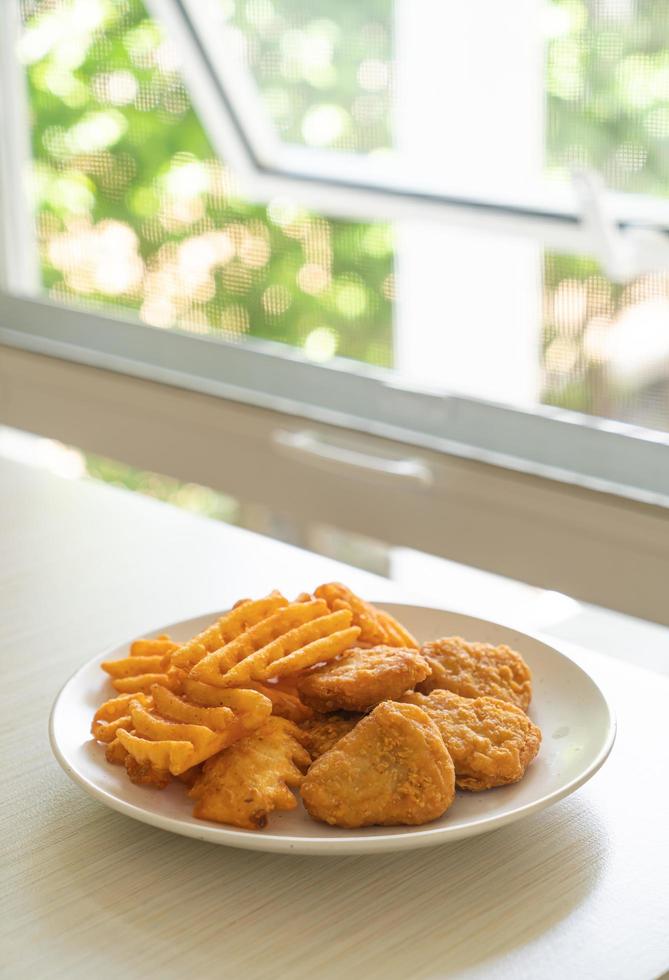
x,y
124,168
115,139
607,82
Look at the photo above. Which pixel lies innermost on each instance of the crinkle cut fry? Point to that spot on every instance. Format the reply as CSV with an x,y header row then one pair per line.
x,y
165,755
338,596
106,732
179,734
142,682
258,637
293,616
248,709
376,627
145,773
114,714
115,753
252,667
170,706
285,704
232,624
146,657
282,696
252,702
322,650
134,665
207,695
144,666
158,729
253,707
400,635
160,646
173,746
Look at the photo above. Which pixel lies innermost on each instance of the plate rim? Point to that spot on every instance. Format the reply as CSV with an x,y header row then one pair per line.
x,y
333,846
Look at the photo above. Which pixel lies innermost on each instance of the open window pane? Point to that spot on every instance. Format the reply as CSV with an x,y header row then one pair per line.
x,y
324,70
135,212
440,88
607,84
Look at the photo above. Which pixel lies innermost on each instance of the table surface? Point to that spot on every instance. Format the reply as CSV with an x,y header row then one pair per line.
x,y
580,889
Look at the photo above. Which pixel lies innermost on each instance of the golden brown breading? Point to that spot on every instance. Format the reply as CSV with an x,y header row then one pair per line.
x,y
362,678
286,702
491,742
115,753
144,774
189,777
376,626
243,784
393,768
476,670
324,731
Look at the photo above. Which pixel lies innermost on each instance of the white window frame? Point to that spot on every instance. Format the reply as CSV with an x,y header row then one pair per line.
x,y
393,436
619,229
556,444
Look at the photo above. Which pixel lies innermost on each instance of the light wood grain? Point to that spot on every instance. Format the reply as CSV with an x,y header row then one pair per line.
x,y
580,890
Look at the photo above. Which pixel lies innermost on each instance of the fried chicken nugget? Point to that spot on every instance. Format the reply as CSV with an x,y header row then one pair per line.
x,y
323,732
476,670
491,742
361,679
243,784
392,768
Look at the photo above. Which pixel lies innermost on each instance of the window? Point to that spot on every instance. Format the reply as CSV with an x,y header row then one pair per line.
x,y
444,226
134,210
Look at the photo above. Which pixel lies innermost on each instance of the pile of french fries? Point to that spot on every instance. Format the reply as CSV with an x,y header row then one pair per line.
x,y
178,705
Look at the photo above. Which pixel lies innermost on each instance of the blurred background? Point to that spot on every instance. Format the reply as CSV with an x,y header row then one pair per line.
x,y
135,211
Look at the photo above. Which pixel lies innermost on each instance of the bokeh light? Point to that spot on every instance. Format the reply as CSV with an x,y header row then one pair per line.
x,y
321,344
133,209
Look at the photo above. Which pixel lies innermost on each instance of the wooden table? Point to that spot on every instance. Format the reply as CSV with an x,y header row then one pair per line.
x,y
581,890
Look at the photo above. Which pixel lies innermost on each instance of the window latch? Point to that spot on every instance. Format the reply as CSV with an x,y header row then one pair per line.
x,y
623,253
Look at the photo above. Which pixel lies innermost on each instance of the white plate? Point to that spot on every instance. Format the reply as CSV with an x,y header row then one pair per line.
x,y
577,724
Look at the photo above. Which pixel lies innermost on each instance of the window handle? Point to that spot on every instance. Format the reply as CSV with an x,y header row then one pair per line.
x,y
313,446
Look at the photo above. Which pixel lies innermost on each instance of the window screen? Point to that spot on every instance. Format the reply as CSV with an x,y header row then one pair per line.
x,y
134,211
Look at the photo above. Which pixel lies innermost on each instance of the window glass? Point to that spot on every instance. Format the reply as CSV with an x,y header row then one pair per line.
x,y
323,68
607,90
134,210
551,86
